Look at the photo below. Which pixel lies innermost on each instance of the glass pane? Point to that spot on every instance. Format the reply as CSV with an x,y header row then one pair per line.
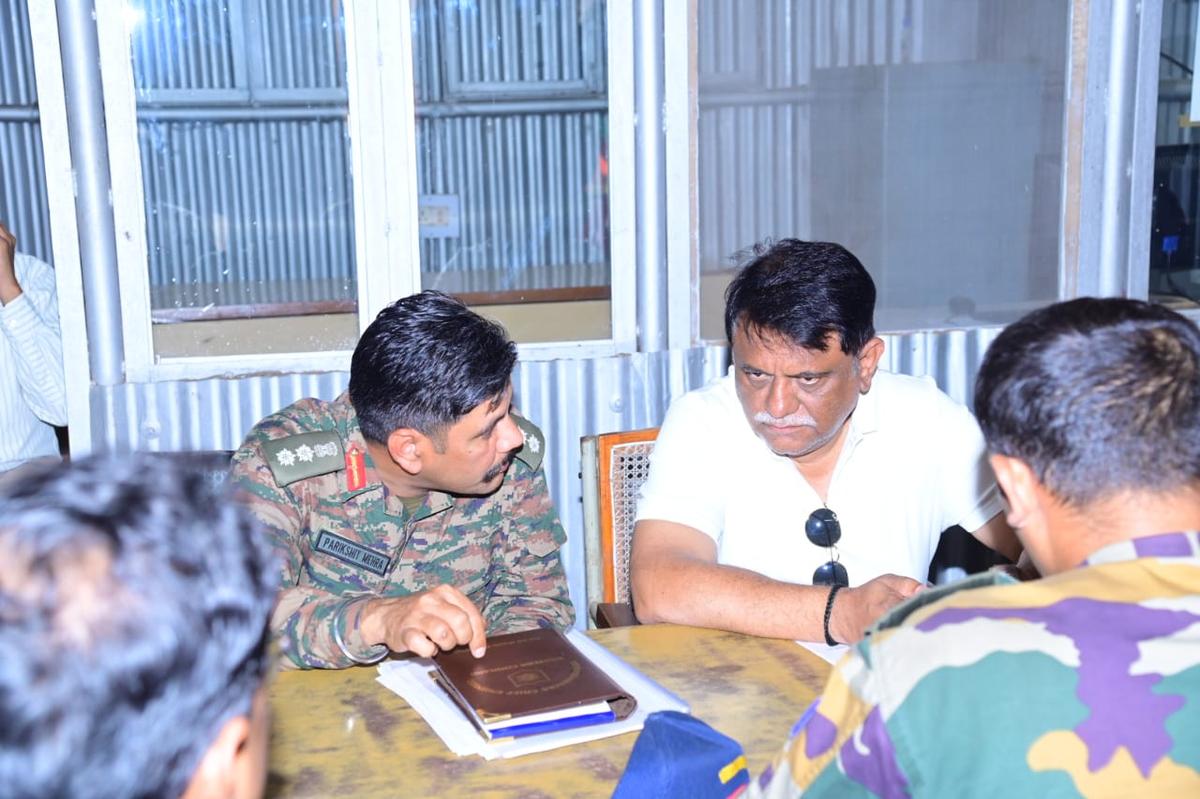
x,y
23,206
246,167
512,135
1174,269
926,137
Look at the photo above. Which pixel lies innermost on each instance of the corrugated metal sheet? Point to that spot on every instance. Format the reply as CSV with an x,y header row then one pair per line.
x,y
23,205
232,195
247,45
182,45
568,398
17,85
755,63
231,203
532,190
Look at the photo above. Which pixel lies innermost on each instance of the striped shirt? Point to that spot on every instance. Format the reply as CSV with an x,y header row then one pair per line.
x,y
32,394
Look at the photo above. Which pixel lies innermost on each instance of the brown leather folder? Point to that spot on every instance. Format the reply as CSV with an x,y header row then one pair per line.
x,y
525,673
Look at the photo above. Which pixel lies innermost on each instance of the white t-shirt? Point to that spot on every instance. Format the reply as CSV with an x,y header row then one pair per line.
x,y
912,464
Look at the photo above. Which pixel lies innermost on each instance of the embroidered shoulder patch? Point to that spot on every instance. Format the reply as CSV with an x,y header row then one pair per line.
x,y
303,455
535,443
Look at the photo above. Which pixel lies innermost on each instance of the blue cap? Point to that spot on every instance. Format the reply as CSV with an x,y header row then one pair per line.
x,y
678,755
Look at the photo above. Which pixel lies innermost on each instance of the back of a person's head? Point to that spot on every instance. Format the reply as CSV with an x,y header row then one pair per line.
x,y
134,609
1098,396
425,362
804,291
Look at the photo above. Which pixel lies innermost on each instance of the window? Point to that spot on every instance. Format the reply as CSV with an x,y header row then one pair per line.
x,y
301,165
23,203
1174,269
513,162
926,137
245,169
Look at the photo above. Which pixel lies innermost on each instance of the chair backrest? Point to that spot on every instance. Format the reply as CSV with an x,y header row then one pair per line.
x,y
614,467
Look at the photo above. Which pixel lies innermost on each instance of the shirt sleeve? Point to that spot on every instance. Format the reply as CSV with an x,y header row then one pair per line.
x,y
966,478
30,324
682,486
528,587
309,622
841,746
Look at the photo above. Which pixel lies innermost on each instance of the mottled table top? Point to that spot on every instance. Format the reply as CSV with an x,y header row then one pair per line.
x,y
340,733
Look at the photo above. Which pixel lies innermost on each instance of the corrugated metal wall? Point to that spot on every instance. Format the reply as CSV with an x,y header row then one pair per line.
x,y
245,156
23,206
568,398
246,165
530,181
755,62
239,211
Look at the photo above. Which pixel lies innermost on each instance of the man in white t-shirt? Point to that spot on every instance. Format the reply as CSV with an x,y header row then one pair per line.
x,y
805,476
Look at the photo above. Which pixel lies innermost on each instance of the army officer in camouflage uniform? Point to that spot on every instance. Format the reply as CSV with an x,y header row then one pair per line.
x,y
411,511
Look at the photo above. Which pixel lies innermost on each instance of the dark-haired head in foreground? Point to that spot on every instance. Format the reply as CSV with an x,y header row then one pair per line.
x,y
1091,409
134,607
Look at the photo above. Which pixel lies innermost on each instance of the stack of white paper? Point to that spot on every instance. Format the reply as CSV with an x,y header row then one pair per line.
x,y
830,654
410,678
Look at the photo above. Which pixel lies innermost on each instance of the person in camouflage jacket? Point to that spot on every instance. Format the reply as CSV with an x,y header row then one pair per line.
x,y
411,512
1087,681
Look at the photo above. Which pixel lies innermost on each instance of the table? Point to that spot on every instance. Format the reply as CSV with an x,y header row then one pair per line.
x,y
340,733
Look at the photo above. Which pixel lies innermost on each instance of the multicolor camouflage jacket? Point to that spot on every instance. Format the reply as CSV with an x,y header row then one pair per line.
x,y
345,539
1086,683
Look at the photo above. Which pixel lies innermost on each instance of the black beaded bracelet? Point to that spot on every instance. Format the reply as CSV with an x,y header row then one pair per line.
x,y
829,612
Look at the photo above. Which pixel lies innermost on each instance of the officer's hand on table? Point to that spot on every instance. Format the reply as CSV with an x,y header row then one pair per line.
x,y
856,609
440,618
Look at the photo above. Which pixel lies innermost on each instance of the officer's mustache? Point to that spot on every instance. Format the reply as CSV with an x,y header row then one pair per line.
x,y
499,469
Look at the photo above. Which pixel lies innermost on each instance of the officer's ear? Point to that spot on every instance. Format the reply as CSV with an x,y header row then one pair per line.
x,y
405,446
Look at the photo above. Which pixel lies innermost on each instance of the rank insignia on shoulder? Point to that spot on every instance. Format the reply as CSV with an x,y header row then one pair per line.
x,y
534,450
303,455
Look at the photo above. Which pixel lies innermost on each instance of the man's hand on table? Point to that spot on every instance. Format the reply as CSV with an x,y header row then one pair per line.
x,y
438,619
856,609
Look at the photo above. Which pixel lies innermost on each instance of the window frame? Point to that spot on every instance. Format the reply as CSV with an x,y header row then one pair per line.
x,y
1108,142
381,126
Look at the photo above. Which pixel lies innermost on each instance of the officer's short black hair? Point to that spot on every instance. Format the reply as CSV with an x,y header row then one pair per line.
x,y
803,291
1097,396
425,362
134,611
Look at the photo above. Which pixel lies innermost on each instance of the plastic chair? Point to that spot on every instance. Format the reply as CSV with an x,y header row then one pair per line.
x,y
614,467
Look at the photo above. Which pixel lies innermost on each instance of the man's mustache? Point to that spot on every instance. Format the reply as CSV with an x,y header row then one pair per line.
x,y
499,469
791,420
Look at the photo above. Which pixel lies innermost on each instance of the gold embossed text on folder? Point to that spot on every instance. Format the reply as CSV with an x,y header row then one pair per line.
x,y
527,673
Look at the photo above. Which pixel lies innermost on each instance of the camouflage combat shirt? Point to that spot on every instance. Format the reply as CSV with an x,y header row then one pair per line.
x,y
1086,683
344,538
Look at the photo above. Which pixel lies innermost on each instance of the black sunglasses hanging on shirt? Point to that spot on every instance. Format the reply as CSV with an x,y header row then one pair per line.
x,y
823,530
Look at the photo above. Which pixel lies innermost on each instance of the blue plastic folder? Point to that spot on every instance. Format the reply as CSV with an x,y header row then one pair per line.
x,y
538,727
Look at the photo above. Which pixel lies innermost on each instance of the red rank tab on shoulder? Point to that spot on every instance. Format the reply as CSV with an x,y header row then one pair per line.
x,y
356,469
